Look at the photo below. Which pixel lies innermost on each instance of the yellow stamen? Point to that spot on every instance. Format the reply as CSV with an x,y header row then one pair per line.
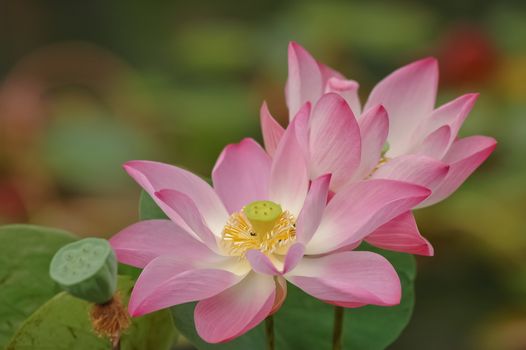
x,y
383,158
381,162
247,230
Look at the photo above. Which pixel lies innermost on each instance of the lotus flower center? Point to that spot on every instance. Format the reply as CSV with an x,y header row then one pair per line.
x,y
261,225
383,159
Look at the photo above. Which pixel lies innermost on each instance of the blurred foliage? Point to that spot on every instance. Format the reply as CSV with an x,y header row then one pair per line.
x,y
24,279
89,85
63,322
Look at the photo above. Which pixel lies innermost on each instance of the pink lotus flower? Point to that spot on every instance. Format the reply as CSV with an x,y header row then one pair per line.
x,y
340,139
233,246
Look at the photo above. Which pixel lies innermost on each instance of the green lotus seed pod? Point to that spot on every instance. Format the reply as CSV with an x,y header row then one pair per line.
x,y
86,269
262,215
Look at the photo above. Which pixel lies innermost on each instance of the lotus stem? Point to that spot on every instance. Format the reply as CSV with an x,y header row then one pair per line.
x,y
269,329
338,328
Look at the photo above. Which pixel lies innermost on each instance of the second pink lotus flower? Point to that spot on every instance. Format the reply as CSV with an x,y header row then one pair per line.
x,y
398,135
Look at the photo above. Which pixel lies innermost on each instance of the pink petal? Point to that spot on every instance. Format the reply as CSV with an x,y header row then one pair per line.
x,y
304,83
408,95
261,263
452,114
281,294
188,212
348,89
144,241
436,144
360,208
236,310
241,174
401,234
416,169
272,131
464,156
168,281
153,177
328,73
289,181
348,278
334,144
293,257
374,126
301,126
312,211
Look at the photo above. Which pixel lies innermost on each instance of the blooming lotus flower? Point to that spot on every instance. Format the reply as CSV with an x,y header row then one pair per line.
x,y
233,246
398,135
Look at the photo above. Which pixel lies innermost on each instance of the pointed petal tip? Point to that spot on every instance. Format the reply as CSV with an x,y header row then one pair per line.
x,y
473,95
492,141
426,192
325,177
133,310
469,98
264,108
293,45
428,61
161,194
429,250
129,165
376,110
445,169
487,143
133,163
241,142
298,52
380,109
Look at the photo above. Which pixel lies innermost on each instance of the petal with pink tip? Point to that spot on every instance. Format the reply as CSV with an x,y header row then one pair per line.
x,y
304,83
187,211
312,211
452,114
278,265
328,73
301,127
348,89
154,176
236,310
416,169
241,174
289,181
360,208
293,257
408,94
261,263
401,235
169,281
436,144
334,143
346,278
374,126
144,241
272,131
464,156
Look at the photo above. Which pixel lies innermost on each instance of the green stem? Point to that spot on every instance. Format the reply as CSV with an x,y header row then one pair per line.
x,y
269,328
338,328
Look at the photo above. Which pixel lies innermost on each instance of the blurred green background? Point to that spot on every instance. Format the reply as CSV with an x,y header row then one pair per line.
x,y
88,85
